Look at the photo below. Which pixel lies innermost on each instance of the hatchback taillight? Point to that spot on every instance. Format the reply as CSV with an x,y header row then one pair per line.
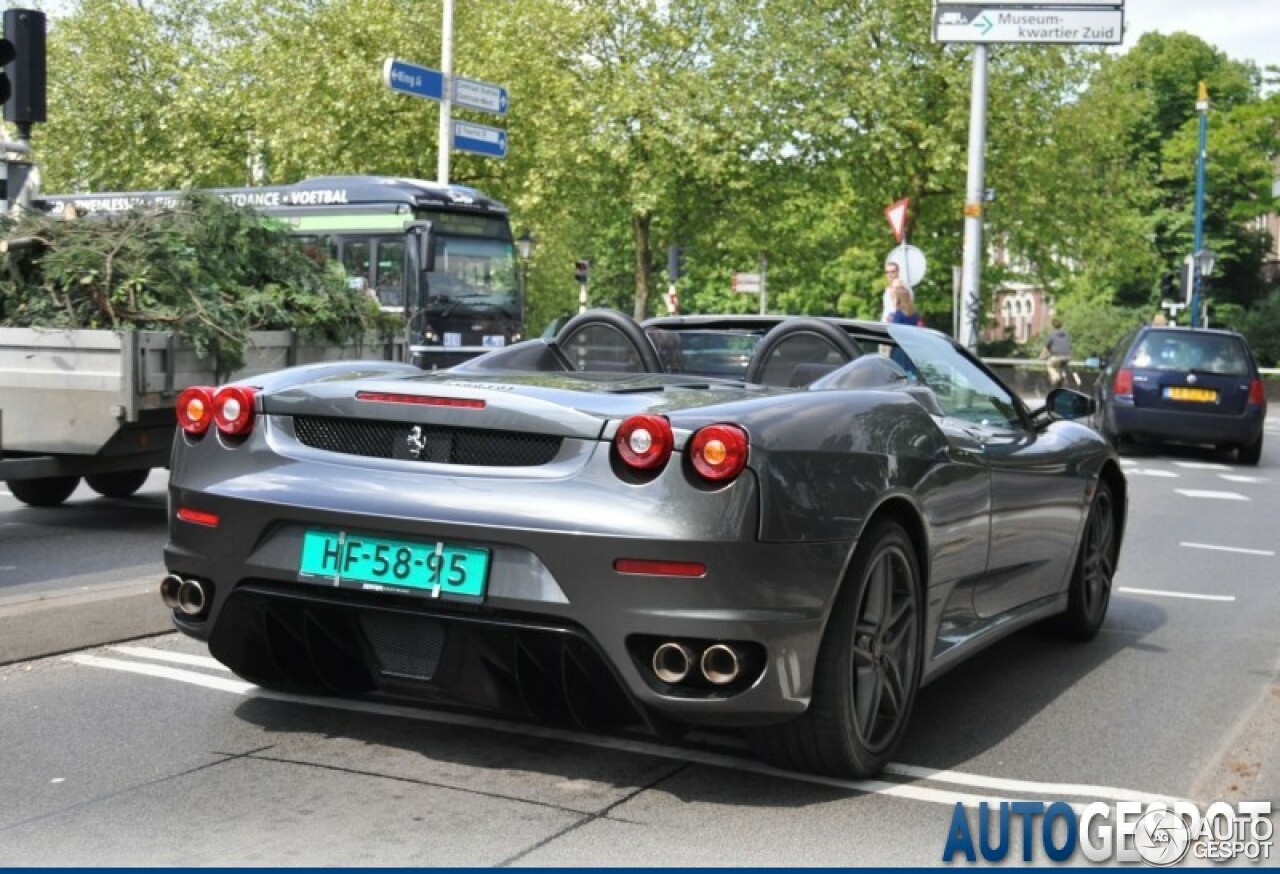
x,y
195,410
1257,394
718,452
644,443
1124,382
233,409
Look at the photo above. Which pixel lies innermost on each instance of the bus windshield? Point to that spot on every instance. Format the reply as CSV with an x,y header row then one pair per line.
x,y
473,275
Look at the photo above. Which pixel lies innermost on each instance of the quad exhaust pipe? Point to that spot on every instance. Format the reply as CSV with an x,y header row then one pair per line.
x,y
719,663
672,662
188,597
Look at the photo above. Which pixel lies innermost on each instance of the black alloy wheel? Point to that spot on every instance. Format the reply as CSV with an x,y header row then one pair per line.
x,y
1090,592
884,650
868,668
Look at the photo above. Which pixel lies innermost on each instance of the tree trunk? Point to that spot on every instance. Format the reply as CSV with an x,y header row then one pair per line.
x,y
640,224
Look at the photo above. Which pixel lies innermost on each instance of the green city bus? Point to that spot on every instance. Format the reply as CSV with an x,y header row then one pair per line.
x,y
458,289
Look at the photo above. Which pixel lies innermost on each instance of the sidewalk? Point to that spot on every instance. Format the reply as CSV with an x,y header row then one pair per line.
x,y
33,626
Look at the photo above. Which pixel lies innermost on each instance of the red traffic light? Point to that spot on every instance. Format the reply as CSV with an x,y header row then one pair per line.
x,y
580,270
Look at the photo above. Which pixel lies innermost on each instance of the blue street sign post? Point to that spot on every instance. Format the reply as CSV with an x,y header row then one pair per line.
x,y
483,96
412,79
479,139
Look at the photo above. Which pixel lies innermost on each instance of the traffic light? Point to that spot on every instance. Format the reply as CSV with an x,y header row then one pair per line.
x,y
675,263
22,85
1168,288
580,271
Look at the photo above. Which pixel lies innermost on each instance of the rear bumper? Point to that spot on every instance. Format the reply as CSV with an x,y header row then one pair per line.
x,y
1184,425
552,595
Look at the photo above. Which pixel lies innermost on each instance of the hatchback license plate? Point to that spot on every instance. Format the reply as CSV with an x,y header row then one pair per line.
x,y
439,570
1198,395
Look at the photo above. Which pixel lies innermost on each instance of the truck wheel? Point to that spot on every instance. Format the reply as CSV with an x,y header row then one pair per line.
x,y
46,491
119,483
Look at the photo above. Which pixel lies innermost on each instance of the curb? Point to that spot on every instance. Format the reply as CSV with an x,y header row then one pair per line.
x,y
36,626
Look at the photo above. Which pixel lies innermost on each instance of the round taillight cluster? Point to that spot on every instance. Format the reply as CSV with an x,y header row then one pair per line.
x,y
644,443
230,409
718,452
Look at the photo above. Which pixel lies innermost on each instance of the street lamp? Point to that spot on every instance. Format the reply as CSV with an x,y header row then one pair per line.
x,y
526,243
1205,260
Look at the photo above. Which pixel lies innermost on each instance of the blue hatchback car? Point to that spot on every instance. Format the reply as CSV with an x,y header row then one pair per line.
x,y
1190,386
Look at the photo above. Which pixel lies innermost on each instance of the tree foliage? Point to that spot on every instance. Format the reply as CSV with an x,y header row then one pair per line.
x,y
733,128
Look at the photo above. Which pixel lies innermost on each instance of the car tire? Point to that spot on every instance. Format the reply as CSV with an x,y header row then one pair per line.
x,y
119,483
1250,453
1089,594
45,491
868,667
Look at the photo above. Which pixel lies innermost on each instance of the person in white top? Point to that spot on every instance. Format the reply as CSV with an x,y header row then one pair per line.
x,y
894,282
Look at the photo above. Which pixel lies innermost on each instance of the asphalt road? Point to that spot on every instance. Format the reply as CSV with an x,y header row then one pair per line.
x,y
149,753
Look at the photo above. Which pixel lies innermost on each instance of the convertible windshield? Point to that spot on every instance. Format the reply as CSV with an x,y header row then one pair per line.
x,y
963,389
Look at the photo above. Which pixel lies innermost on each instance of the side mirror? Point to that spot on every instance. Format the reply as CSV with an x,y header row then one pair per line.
x,y
421,231
1066,403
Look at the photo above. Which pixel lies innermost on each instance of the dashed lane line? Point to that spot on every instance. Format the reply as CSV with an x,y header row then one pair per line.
x,y
719,760
1212,495
1242,478
1142,471
1157,593
1236,549
1202,465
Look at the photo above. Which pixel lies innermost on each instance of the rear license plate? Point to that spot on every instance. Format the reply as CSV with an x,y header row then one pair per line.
x,y
385,564
1198,395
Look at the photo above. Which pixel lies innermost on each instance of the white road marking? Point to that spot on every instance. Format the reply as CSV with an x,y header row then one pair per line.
x,y
179,658
1142,471
1215,496
1127,462
1239,549
5,493
1159,594
716,760
1045,790
1241,478
1202,465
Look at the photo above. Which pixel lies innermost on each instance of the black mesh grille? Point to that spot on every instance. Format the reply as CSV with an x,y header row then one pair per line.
x,y
435,443
405,646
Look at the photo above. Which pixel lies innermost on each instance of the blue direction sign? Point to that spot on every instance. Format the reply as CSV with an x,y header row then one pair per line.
x,y
409,78
484,96
479,139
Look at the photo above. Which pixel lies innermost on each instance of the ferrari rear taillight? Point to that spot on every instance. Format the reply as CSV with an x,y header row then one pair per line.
x,y
1257,394
644,442
718,452
233,409
1124,382
195,410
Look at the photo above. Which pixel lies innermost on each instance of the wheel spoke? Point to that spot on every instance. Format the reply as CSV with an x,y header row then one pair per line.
x,y
864,696
873,712
894,686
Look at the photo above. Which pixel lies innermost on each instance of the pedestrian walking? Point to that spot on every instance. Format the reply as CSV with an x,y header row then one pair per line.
x,y
1057,354
892,281
904,313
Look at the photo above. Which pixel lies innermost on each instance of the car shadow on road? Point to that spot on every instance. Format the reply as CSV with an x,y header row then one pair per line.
x,y
967,712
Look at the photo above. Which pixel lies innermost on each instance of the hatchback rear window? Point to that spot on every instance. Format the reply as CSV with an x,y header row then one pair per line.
x,y
1185,351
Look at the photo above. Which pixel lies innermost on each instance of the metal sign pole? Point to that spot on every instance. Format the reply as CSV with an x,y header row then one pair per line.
x,y
446,104
764,308
972,263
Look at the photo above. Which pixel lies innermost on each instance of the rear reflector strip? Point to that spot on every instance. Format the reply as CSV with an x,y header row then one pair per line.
x,y
198,517
422,400
660,568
